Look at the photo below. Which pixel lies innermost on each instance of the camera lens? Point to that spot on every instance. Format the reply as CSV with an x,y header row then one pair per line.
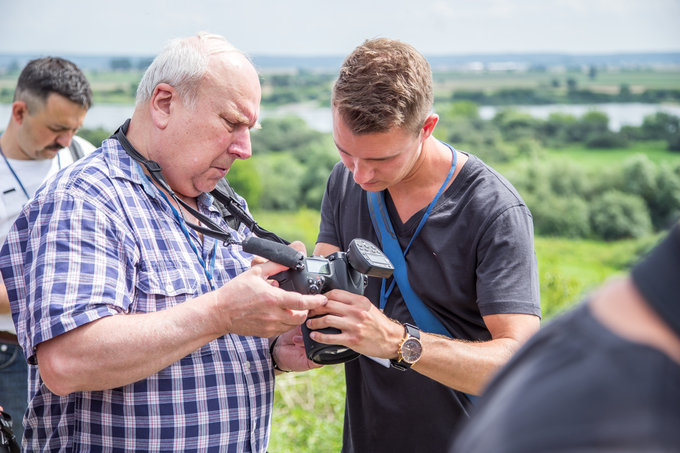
x,y
326,354
329,354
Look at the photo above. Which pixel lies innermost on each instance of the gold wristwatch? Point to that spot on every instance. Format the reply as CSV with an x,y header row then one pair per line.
x,y
410,349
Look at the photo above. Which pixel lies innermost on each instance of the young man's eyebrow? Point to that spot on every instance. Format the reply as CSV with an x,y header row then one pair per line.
x,y
376,159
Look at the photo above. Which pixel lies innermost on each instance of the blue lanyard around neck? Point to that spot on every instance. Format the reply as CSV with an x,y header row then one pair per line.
x,y
208,270
17,176
385,292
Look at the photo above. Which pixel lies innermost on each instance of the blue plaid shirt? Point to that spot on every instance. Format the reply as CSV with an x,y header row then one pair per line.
x,y
100,240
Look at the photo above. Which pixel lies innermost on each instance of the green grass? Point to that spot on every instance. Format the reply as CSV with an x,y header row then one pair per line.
x,y
655,150
302,225
308,411
591,159
571,268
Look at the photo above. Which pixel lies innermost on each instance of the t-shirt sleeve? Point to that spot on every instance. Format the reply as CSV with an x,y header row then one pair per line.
x,y
332,197
507,272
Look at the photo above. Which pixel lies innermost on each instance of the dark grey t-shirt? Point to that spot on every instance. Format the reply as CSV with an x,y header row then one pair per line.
x,y
474,257
578,387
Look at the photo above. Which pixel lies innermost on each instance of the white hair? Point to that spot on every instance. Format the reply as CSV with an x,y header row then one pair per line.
x,y
182,64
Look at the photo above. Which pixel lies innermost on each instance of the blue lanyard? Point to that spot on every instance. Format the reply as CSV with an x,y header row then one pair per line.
x,y
182,224
385,293
28,197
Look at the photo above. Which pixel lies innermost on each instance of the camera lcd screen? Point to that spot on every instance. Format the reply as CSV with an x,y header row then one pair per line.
x,y
318,266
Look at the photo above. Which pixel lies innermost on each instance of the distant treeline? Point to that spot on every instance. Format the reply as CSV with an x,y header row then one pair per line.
x,y
538,96
291,163
633,198
279,89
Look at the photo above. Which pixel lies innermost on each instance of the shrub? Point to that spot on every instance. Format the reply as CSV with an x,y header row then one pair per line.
x,y
281,176
617,215
605,140
95,136
559,216
244,179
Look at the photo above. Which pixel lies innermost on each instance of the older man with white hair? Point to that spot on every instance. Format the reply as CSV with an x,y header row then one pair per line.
x,y
142,333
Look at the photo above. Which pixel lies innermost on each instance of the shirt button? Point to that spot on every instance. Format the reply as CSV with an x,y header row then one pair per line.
x,y
3,348
246,365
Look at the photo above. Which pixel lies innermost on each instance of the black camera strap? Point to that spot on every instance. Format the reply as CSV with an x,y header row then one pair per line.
x,y
226,200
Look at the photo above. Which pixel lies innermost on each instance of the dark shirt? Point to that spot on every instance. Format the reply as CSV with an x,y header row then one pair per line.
x,y
576,386
473,257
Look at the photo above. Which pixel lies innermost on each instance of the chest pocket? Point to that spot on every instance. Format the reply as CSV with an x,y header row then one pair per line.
x,y
162,284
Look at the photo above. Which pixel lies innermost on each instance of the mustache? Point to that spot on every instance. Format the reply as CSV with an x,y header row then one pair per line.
x,y
54,147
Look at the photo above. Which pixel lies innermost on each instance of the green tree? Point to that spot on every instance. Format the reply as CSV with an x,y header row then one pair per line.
x,y
665,207
515,125
281,176
285,133
95,136
617,215
662,126
245,180
318,159
559,216
120,64
556,131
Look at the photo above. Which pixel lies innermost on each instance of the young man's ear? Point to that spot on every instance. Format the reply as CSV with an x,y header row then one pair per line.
x,y
161,104
428,127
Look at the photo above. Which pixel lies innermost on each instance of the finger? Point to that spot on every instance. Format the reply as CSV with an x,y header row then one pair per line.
x,y
296,301
312,364
257,260
328,320
269,268
330,338
299,246
273,282
344,297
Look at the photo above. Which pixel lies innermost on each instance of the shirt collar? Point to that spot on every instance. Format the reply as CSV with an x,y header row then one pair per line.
x,y
127,168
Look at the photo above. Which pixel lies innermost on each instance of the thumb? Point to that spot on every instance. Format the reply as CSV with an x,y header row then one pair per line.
x,y
270,268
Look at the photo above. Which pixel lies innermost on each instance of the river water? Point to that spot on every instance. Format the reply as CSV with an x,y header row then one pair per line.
x,y
319,118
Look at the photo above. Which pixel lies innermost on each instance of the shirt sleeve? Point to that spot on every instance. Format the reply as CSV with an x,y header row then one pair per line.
x,y
328,228
76,267
507,272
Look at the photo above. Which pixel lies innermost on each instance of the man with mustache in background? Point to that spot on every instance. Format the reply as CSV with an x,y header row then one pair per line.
x,y
50,102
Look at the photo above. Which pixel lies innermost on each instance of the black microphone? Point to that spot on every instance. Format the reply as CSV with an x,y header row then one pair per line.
x,y
274,251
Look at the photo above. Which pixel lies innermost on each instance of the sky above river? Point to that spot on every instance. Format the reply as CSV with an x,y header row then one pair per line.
x,y
322,27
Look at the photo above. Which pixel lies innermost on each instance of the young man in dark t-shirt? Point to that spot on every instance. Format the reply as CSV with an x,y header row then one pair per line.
x,y
471,262
604,377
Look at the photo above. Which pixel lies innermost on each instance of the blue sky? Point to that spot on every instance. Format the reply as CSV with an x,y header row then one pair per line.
x,y
322,27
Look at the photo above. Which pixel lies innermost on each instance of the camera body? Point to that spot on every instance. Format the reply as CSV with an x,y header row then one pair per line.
x,y
348,271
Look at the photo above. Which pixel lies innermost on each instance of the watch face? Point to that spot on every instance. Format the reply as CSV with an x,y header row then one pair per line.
x,y
411,350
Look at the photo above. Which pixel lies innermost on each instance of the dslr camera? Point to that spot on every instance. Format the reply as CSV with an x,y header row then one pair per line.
x,y
348,271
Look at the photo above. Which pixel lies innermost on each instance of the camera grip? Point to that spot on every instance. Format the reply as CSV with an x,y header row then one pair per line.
x,y
273,251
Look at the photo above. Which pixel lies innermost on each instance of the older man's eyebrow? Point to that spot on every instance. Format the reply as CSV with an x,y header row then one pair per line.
x,y
241,119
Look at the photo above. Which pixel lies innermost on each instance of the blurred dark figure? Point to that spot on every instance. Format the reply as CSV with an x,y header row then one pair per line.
x,y
604,377
8,441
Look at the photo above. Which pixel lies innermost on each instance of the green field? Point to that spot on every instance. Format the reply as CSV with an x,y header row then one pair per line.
x,y
604,81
